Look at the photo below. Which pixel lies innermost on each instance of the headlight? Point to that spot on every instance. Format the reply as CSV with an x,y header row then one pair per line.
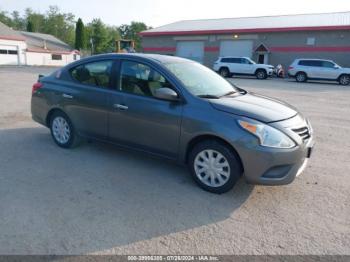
x,y
268,136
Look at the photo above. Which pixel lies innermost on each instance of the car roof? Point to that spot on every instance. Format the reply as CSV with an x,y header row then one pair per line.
x,y
162,59
313,59
234,57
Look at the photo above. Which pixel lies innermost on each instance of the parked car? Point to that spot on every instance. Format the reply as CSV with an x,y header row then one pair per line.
x,y
318,69
177,109
228,66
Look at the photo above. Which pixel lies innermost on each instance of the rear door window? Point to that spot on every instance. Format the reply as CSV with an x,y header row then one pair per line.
x,y
316,63
94,74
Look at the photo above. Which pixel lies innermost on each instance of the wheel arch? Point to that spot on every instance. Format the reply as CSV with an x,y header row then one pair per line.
x,y
51,112
342,74
207,137
301,72
260,69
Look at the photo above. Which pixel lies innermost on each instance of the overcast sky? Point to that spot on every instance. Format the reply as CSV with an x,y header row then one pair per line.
x,y
159,12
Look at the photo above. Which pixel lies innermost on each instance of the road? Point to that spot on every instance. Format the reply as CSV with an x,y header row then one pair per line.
x,y
99,199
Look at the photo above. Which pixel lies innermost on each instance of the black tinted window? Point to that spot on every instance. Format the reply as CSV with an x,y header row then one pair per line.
x,y
328,64
310,63
140,79
95,73
230,60
56,57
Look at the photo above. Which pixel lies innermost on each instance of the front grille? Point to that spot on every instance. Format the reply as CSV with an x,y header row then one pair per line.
x,y
303,132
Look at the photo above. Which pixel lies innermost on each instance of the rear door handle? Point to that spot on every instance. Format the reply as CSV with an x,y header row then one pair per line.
x,y
120,107
67,96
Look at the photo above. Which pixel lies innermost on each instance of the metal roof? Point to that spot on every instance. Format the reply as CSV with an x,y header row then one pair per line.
x,y
9,34
324,21
39,41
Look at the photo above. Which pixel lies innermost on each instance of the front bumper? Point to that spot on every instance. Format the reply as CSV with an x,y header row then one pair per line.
x,y
278,166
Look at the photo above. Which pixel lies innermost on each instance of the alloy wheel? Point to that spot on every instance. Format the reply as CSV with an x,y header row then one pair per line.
x,y
345,80
61,130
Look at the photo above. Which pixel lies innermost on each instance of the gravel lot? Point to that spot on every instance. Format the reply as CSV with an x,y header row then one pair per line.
x,y
103,200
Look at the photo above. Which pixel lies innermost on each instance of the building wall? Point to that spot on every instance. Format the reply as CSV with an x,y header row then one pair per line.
x,y
39,59
19,46
283,47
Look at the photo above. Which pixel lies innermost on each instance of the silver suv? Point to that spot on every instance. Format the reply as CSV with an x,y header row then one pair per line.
x,y
229,66
318,69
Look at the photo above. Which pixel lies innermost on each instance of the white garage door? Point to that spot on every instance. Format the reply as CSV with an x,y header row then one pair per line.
x,y
8,55
236,48
193,50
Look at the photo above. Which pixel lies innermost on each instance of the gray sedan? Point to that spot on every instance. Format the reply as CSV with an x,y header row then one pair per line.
x,y
177,109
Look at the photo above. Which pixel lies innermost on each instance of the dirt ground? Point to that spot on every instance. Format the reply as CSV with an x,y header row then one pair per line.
x,y
103,200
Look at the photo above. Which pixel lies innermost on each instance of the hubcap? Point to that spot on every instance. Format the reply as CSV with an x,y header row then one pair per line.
x,y
212,168
60,130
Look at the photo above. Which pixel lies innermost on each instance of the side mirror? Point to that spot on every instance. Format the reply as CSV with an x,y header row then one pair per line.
x,y
166,93
336,67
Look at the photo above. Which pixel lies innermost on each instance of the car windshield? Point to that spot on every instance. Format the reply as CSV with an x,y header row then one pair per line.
x,y
200,80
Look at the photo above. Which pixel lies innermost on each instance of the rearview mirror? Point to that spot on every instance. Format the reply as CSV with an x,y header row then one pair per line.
x,y
166,93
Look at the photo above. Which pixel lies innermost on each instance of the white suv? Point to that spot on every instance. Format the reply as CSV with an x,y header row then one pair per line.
x,y
318,69
228,66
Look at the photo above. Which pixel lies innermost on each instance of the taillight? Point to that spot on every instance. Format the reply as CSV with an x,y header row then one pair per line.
x,y
290,68
36,86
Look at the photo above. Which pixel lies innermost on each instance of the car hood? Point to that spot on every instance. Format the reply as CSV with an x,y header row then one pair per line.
x,y
345,70
258,107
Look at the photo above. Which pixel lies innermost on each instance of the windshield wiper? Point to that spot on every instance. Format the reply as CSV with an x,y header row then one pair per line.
x,y
209,96
228,93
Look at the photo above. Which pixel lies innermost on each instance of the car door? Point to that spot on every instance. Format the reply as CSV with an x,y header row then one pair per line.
x,y
246,66
85,98
235,65
329,70
140,120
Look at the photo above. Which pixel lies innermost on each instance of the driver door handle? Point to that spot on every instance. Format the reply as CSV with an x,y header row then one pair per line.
x,y
120,107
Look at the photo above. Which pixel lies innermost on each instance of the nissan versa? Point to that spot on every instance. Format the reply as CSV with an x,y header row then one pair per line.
x,y
178,109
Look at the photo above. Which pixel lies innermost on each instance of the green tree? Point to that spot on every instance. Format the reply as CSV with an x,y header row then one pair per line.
x,y
18,22
98,34
37,20
4,18
80,39
61,25
30,27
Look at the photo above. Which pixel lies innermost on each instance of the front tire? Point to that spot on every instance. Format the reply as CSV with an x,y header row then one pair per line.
x,y
301,77
224,72
214,166
261,74
344,80
62,130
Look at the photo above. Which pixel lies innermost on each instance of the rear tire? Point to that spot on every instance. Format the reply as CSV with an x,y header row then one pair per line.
x,y
224,72
344,80
62,130
301,77
261,74
214,166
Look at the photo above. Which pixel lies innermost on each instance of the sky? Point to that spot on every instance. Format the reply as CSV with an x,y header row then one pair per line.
x,y
160,12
